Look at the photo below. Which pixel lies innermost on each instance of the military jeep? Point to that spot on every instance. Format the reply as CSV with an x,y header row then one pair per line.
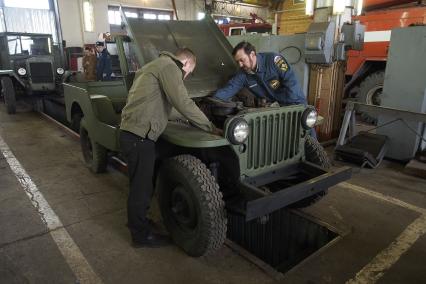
x,y
27,67
265,160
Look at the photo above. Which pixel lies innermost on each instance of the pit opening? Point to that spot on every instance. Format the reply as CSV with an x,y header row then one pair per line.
x,y
282,240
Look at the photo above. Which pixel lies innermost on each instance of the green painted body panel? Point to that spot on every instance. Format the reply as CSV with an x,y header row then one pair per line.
x,y
99,131
189,136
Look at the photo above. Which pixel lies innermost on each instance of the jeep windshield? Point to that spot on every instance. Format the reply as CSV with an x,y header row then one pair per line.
x,y
29,45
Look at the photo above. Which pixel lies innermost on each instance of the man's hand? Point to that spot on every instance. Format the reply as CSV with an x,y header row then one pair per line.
x,y
217,131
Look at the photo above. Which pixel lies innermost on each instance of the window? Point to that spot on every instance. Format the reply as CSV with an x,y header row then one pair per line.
x,y
164,17
149,16
131,14
14,44
29,45
237,31
33,4
132,60
88,17
114,17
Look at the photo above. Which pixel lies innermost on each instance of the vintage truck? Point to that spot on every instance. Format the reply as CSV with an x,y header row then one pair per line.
x,y
28,67
265,160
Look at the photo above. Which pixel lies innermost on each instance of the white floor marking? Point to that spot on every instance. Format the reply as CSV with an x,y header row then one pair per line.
x,y
374,270
390,255
69,249
383,197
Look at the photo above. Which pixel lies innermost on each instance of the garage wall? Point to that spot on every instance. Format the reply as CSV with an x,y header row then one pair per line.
x,y
71,16
293,19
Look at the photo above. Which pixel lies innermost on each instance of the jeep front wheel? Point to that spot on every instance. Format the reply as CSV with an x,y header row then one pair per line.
x,y
8,95
94,154
191,205
315,154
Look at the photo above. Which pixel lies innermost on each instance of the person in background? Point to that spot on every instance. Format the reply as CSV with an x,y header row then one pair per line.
x,y
103,62
89,64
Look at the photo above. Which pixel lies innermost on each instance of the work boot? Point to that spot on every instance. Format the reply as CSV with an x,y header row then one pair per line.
x,y
149,239
151,226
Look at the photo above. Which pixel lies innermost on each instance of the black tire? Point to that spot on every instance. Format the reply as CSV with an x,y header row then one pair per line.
x,y
191,205
94,154
75,121
370,92
315,154
9,96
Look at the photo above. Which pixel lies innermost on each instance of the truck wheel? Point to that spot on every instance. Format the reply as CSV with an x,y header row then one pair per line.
x,y
370,92
94,154
8,95
191,205
315,154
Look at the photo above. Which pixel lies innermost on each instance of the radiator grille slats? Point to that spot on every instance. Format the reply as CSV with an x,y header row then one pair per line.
x,y
41,72
273,138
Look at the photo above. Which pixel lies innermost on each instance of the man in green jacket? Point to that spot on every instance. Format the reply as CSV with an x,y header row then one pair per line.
x,y
157,87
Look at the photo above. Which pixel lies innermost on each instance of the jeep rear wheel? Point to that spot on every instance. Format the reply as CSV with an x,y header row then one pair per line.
x,y
9,96
315,154
94,154
191,205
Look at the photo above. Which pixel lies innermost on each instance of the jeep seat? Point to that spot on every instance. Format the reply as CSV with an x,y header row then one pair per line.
x,y
105,110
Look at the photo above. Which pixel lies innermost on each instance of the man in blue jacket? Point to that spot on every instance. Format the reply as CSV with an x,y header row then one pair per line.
x,y
103,62
267,75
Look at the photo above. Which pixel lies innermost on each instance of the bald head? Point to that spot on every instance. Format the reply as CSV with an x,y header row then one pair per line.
x,y
188,59
186,53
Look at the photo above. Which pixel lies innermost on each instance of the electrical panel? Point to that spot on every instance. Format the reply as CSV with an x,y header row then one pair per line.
x,y
353,35
319,43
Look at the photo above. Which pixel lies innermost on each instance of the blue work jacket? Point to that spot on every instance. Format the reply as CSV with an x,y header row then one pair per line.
x,y
274,80
103,66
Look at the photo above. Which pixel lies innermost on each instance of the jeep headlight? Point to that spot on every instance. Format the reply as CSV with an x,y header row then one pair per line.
x,y
22,71
309,118
60,71
238,131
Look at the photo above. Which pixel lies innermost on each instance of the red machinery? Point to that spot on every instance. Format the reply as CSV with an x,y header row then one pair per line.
x,y
366,68
256,25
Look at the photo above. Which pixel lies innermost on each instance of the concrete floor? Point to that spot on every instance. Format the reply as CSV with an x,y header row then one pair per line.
x,y
381,236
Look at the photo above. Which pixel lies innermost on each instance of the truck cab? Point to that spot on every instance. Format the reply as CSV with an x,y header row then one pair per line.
x,y
28,67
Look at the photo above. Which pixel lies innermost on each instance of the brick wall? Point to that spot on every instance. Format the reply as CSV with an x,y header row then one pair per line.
x,y
293,19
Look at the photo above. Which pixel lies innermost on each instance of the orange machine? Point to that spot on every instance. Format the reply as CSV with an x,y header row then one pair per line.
x,y
365,69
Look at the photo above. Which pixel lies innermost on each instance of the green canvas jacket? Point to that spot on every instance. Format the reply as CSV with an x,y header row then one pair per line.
x,y
158,87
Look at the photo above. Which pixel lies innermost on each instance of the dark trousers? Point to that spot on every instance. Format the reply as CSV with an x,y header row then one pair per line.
x,y
140,156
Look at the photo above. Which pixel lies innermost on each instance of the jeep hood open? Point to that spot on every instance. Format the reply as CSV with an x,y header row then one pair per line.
x,y
215,64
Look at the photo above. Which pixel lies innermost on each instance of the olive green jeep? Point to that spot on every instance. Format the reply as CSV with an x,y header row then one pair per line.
x,y
265,160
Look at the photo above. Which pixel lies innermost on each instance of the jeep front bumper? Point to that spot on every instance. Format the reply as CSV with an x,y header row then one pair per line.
x,y
254,201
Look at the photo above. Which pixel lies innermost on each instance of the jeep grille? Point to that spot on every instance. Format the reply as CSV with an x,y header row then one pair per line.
x,y
41,72
273,138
